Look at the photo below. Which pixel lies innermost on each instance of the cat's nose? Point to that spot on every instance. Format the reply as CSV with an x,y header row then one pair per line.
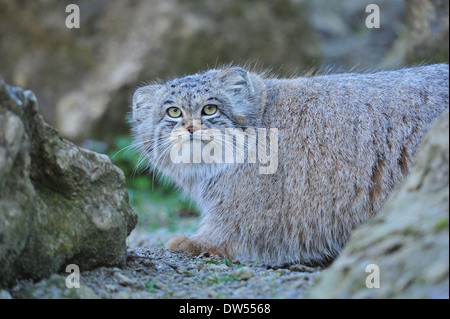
x,y
190,129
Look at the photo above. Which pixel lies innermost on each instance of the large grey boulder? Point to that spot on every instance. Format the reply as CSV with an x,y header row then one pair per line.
x,y
59,203
408,240
427,31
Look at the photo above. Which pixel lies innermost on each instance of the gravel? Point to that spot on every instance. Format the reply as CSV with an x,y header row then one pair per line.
x,y
159,273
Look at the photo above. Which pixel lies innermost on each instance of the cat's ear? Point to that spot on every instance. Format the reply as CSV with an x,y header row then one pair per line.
x,y
143,99
235,80
245,88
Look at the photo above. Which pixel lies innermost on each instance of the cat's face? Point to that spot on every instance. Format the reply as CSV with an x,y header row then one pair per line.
x,y
173,120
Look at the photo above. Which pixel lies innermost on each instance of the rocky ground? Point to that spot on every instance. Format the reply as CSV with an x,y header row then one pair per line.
x,y
159,273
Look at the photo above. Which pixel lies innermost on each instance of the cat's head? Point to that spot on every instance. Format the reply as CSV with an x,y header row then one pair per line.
x,y
169,115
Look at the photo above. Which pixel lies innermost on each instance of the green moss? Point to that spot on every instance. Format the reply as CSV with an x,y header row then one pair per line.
x,y
217,279
409,232
228,262
151,286
441,224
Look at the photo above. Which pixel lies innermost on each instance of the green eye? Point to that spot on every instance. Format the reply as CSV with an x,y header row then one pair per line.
x,y
174,112
209,109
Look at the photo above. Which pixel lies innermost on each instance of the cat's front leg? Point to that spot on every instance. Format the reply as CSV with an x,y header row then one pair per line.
x,y
193,246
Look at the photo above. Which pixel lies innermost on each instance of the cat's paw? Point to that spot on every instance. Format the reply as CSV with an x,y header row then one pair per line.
x,y
187,245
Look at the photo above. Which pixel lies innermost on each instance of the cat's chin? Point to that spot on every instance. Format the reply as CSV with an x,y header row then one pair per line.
x,y
196,170
186,175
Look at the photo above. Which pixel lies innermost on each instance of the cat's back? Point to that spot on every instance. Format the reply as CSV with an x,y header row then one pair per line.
x,y
370,106
352,137
409,89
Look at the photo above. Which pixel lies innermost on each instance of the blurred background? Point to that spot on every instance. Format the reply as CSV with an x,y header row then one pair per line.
x,y
84,78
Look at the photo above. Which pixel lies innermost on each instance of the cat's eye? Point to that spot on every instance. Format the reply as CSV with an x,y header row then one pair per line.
x,y
209,109
174,112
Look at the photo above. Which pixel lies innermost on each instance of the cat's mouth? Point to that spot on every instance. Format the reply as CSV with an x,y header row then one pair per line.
x,y
179,137
208,146
201,146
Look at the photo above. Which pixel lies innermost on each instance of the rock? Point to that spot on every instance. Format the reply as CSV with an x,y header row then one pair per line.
x,y
427,31
295,267
408,241
124,280
243,273
5,294
59,204
302,268
345,41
